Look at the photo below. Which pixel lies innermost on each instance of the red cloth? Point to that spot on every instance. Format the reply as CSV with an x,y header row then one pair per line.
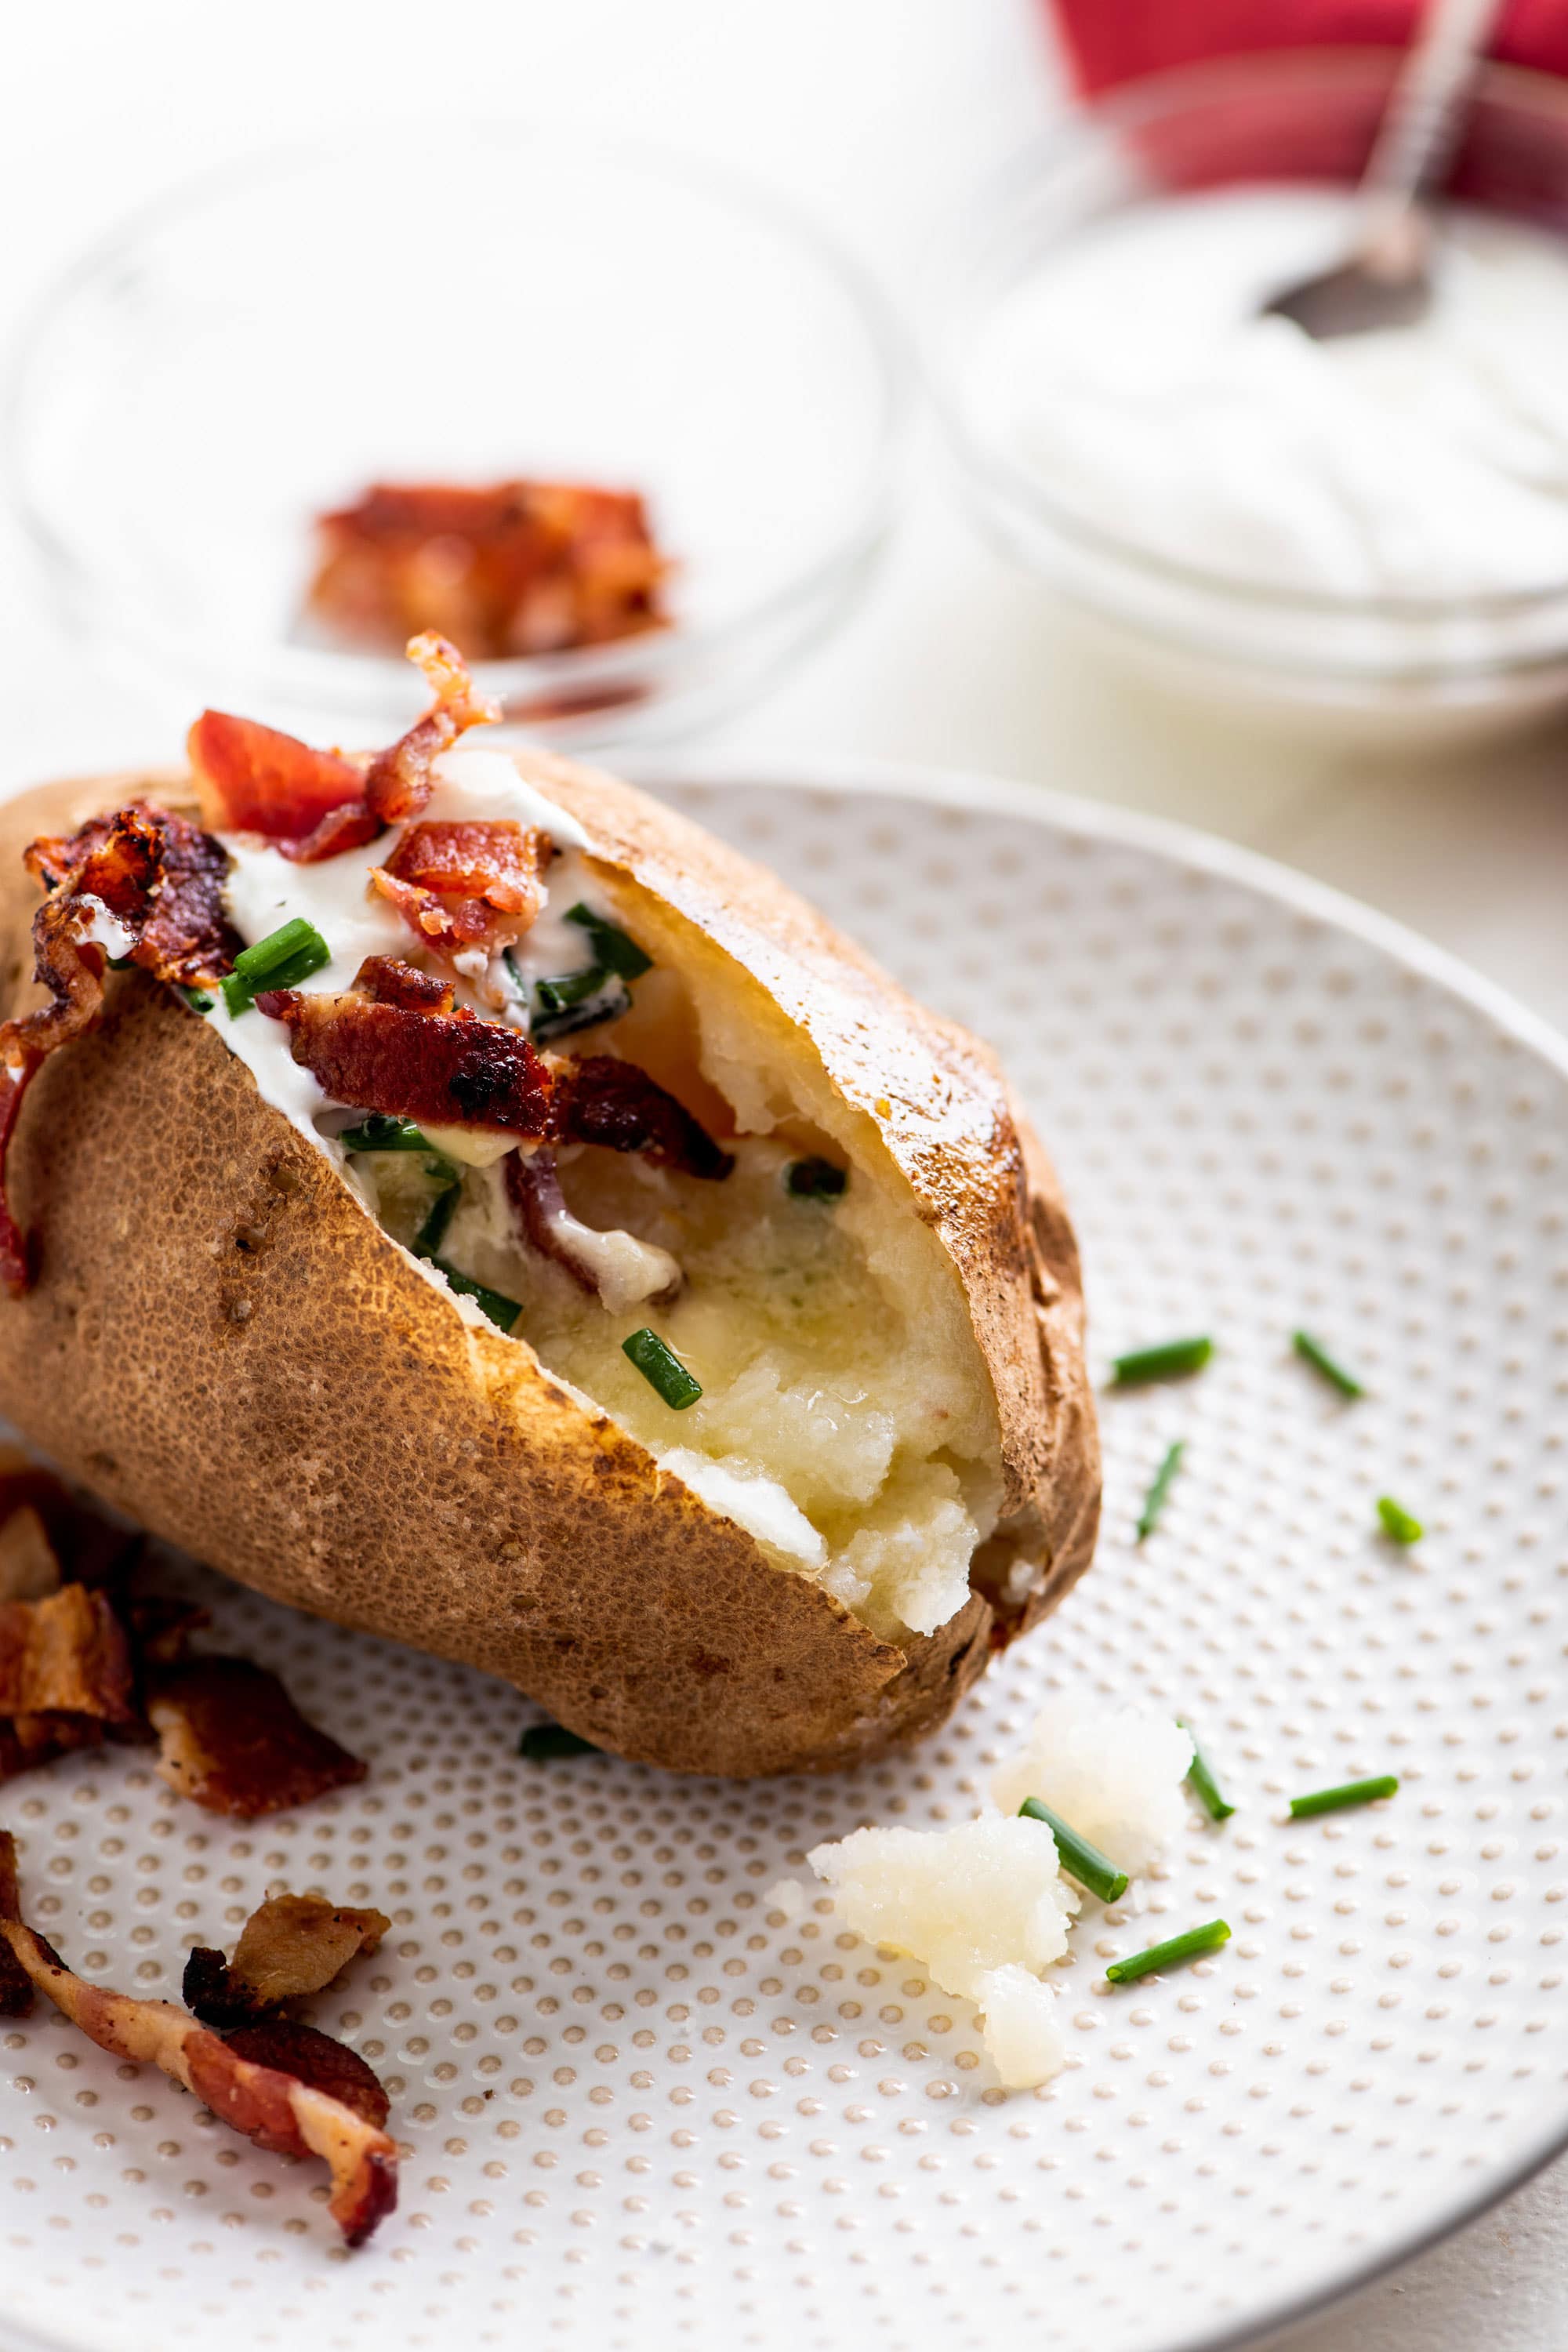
x,y
1110,41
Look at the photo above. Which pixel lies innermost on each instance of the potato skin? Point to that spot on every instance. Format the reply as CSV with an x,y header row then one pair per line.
x,y
224,1344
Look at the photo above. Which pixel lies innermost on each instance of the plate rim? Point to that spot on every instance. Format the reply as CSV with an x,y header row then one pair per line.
x,y
1049,806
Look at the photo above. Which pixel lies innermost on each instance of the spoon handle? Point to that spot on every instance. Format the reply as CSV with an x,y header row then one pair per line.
x,y
1415,137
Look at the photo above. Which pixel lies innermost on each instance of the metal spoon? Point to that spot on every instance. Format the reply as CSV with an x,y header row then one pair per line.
x,y
1384,281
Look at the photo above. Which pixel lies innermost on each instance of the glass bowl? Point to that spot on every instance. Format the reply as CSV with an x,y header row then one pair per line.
x,y
1293,116
461,306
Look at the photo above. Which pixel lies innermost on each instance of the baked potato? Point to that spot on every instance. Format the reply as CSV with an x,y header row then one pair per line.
x,y
575,1259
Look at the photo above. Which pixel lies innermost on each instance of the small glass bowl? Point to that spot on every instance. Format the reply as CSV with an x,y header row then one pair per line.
x,y
459,306
1289,116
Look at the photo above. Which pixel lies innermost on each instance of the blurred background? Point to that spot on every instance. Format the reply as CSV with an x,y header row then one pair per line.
x,y
856,579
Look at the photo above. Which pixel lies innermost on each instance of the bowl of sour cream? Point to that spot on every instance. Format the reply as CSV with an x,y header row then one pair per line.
x,y
1376,525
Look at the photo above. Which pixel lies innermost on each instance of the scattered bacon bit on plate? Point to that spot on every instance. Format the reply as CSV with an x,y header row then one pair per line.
x,y
284,2091
293,1944
515,568
29,1567
231,1739
68,1653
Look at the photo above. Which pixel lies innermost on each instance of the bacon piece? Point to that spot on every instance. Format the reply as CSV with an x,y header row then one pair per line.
x,y
160,1627
601,1100
387,979
69,1654
32,1740
16,1984
251,779
95,1550
518,567
232,1740
445,1069
349,827
465,886
316,2059
279,2108
293,1944
161,880
399,782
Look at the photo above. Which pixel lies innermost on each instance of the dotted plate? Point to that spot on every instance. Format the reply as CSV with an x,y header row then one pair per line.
x,y
639,2108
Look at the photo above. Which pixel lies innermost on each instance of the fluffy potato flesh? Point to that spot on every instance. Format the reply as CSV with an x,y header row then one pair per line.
x,y
845,1421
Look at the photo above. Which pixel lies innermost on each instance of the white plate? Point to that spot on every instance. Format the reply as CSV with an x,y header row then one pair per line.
x,y
639,2108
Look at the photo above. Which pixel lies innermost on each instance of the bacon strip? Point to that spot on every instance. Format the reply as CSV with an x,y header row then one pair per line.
x,y
29,1567
387,979
465,886
232,1740
67,1654
292,1945
161,880
601,1100
442,1068
399,782
252,779
614,1266
270,2103
316,2059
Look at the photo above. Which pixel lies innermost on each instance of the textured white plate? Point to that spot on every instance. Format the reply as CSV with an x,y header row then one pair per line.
x,y
641,2110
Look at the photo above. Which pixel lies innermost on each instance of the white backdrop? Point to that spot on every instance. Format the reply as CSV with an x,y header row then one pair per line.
x,y
880,115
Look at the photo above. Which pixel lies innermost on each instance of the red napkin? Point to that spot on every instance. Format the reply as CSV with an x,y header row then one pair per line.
x,y
1110,41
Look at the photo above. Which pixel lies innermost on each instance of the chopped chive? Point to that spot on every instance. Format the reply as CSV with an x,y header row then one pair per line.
x,y
1312,1352
1154,1501
428,1241
572,988
549,1743
196,998
613,949
284,958
1397,1522
1078,1857
379,1133
609,999
1169,1362
1172,1954
816,1179
662,1369
503,1311
1205,1786
1353,1792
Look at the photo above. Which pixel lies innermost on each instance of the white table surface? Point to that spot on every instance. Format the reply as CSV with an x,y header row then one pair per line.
x,y
880,115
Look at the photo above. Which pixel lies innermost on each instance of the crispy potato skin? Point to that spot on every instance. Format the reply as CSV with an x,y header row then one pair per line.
x,y
224,1344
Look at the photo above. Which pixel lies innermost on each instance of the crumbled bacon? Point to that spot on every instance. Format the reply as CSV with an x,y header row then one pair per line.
x,y
399,782
162,881
288,2099
387,979
465,886
66,1654
601,1100
232,1740
445,1069
533,1189
520,567
293,1944
252,779
28,1741
317,2060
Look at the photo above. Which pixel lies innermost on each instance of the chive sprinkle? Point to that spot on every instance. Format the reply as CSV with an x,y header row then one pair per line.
x,y
1078,1857
428,1241
1353,1792
816,1179
503,1311
1203,1784
1171,1955
551,1743
1397,1522
572,988
612,949
1154,1501
1172,1362
379,1133
1312,1351
283,958
662,1369
196,998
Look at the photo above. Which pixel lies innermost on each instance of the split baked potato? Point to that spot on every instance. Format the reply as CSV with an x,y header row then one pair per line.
x,y
411,1342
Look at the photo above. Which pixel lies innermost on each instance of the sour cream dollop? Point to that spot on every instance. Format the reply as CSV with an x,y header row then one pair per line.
x,y
1132,374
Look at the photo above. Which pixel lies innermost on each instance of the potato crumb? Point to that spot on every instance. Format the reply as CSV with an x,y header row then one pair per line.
x,y
1114,1774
